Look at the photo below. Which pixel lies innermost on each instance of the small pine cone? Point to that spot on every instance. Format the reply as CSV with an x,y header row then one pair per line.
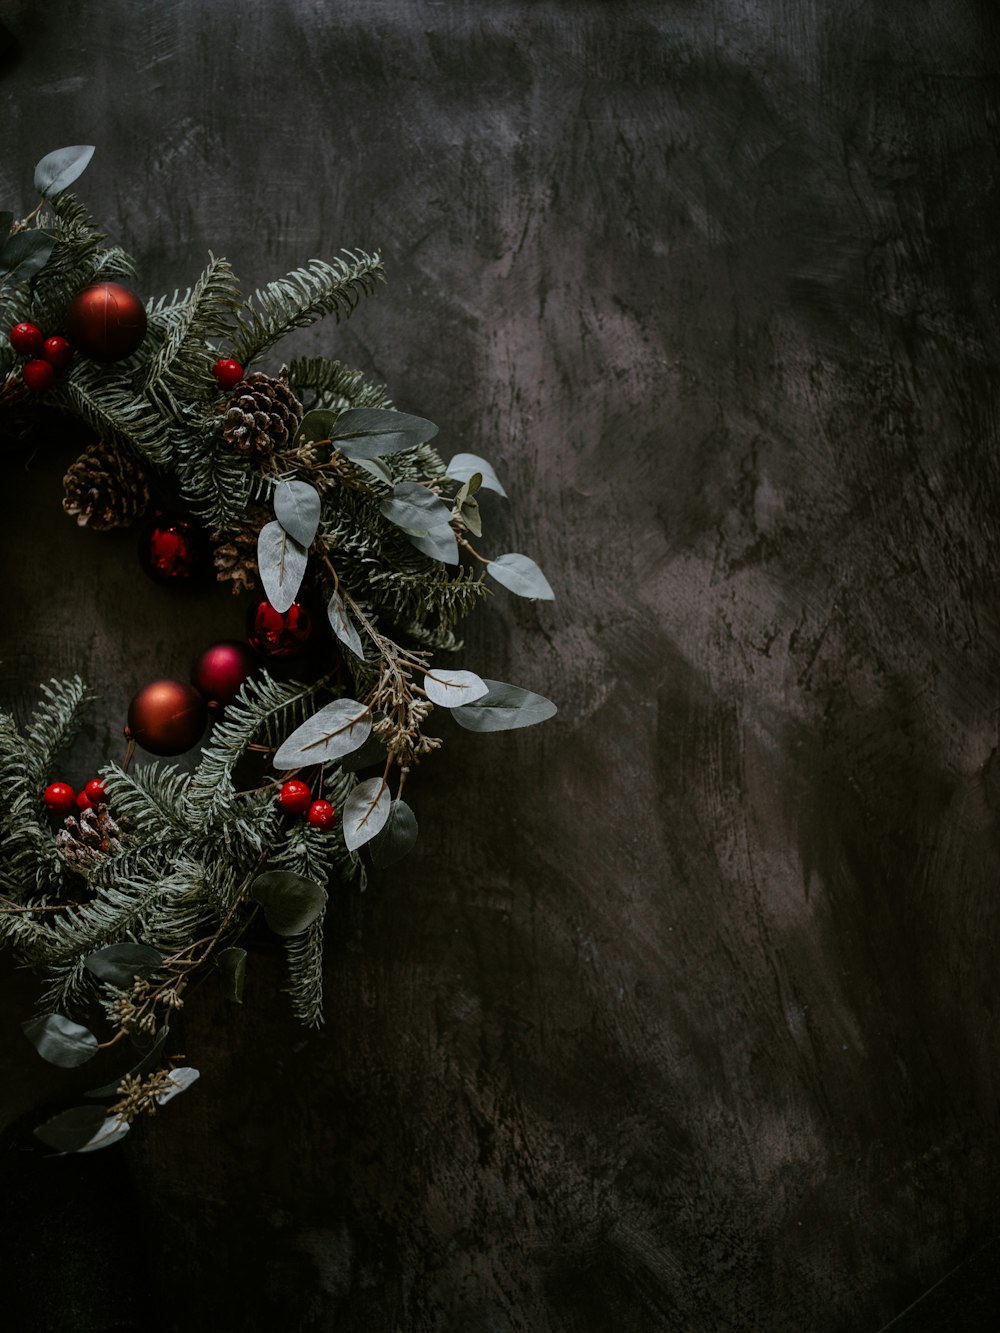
x,y
105,489
261,415
234,553
85,841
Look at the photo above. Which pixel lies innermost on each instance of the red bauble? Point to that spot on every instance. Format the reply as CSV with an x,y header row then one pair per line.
x,y
83,802
279,634
220,671
58,352
172,550
107,321
59,796
95,792
38,374
228,373
321,815
26,339
166,717
294,797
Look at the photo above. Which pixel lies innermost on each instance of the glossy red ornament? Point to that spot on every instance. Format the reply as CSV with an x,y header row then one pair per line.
x,y
279,634
26,339
107,321
321,815
95,791
57,352
220,671
38,374
59,796
228,373
166,717
172,550
294,797
83,802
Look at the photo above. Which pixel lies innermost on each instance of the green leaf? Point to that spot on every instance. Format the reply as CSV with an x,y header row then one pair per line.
x,y
375,468
453,689
60,1041
232,963
59,169
504,708
370,432
397,837
297,507
365,812
73,1130
424,518
180,1080
290,902
343,626
337,729
24,254
122,963
466,507
113,1129
316,425
521,575
282,563
464,466
370,755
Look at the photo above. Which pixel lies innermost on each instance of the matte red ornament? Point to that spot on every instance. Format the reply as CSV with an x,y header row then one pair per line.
x,y
95,791
166,717
107,321
59,796
26,339
279,634
294,797
38,374
220,671
228,373
321,815
58,352
172,550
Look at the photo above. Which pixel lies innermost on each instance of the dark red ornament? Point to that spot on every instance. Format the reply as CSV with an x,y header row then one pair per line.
x,y
294,797
321,815
26,339
166,717
220,671
107,321
95,791
228,373
172,550
58,352
83,802
279,634
38,374
59,796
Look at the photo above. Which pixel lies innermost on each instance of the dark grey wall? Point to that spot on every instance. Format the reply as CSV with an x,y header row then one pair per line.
x,y
685,1015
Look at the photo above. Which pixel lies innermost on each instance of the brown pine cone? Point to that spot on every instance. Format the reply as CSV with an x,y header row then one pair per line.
x,y
234,553
105,489
262,414
86,840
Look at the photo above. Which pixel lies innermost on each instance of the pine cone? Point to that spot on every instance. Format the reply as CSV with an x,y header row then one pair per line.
x,y
234,553
105,488
262,415
85,841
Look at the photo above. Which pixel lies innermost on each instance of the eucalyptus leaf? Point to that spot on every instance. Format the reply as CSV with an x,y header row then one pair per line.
x,y
113,1129
371,432
365,812
24,254
439,545
315,425
424,518
337,729
180,1080
232,963
504,708
453,689
60,1041
122,963
73,1130
343,626
463,466
467,506
298,507
371,754
282,562
60,168
521,575
397,837
375,468
290,902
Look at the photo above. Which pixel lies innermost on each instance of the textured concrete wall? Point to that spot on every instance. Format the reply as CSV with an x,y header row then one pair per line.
x,y
684,1015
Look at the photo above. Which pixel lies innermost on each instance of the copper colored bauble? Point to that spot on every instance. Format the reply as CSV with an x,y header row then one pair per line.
x,y
220,671
106,321
172,550
166,717
279,634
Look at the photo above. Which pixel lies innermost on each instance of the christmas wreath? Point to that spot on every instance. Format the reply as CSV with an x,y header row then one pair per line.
x,y
363,541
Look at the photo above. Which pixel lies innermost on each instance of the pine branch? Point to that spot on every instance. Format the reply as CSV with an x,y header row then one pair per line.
x,y
183,362
321,382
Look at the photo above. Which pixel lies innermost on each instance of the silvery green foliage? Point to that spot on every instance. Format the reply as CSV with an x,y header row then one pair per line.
x,y
282,563
521,575
453,689
365,812
335,731
59,169
297,507
343,626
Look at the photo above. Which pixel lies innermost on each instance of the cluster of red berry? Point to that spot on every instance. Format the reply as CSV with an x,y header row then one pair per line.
x,y
60,796
295,798
46,355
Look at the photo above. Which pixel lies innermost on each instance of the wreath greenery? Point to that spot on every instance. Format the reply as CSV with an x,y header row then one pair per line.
x,y
123,906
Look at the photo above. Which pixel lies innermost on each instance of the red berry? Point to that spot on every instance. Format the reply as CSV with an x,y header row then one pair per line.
x,y
60,796
58,352
294,797
83,802
26,339
95,792
228,373
38,374
321,815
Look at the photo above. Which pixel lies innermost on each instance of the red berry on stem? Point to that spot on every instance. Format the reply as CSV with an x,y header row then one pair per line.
x,y
83,802
294,797
95,792
321,815
58,352
26,339
59,796
38,374
228,373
